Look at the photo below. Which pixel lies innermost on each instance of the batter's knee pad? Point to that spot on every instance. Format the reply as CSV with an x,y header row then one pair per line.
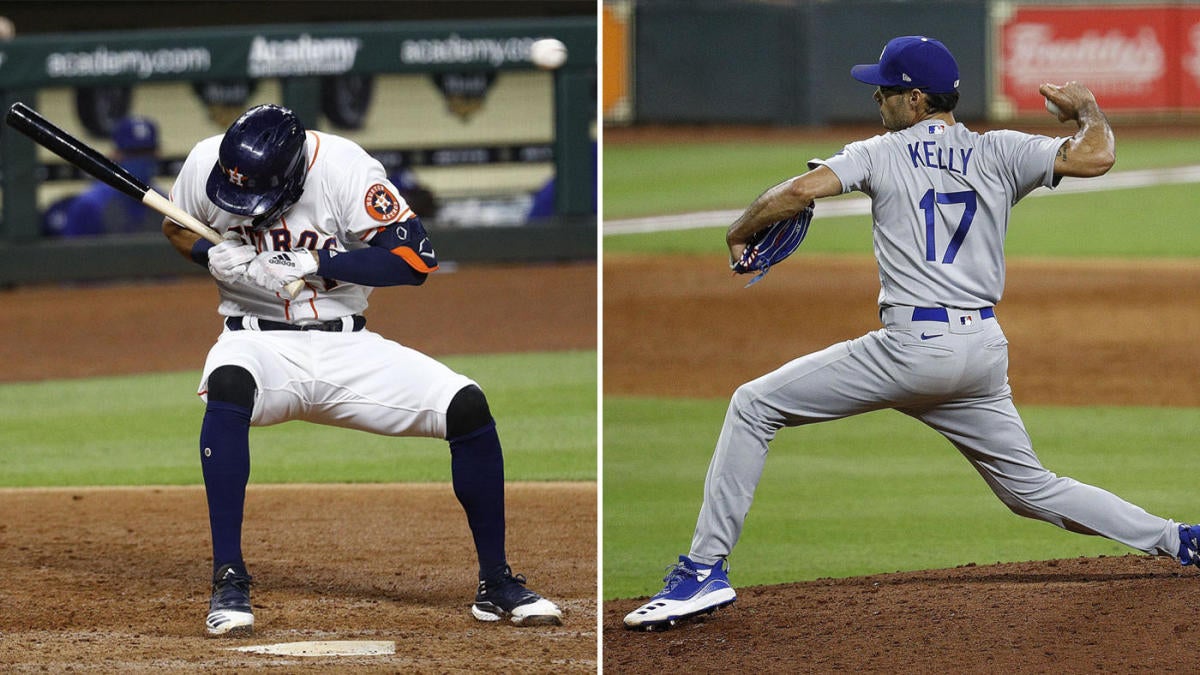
x,y
232,384
467,412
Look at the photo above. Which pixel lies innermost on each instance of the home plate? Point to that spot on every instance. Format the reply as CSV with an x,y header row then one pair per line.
x,y
323,648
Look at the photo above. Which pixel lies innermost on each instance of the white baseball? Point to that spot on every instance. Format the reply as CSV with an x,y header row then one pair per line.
x,y
548,53
1054,109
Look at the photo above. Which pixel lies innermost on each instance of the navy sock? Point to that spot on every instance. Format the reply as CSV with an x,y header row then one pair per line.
x,y
225,461
477,471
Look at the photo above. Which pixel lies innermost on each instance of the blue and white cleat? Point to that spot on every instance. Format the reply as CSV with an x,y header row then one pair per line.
x,y
229,611
692,589
1189,545
506,596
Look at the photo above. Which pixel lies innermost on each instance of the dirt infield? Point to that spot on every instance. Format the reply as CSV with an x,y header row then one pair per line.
x,y
156,326
1081,333
1131,614
115,580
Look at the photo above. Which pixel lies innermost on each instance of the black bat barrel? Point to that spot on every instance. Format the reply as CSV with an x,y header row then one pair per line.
x,y
43,132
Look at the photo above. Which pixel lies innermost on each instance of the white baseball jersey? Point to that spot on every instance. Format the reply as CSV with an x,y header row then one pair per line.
x,y
347,199
350,379
940,198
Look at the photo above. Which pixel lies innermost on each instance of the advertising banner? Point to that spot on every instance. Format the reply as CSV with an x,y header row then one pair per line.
x,y
1189,41
1135,58
93,59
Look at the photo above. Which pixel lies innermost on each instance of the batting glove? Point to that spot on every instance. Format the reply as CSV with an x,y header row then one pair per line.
x,y
227,261
273,270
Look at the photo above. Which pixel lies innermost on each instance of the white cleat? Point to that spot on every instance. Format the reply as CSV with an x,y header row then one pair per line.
x,y
233,624
229,611
506,596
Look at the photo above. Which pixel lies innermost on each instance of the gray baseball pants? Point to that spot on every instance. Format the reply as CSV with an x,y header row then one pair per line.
x,y
953,376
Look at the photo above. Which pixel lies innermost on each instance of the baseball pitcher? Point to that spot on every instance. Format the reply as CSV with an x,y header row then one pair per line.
x,y
941,196
297,204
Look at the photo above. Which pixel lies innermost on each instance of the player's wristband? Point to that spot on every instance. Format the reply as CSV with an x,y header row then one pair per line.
x,y
371,266
200,251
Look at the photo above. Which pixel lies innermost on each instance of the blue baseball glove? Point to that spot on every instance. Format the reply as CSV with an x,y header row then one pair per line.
x,y
773,244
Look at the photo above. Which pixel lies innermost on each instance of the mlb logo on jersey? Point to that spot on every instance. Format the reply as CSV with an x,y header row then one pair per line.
x,y
966,319
936,128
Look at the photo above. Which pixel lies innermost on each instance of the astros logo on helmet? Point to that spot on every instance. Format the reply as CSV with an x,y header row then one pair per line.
x,y
236,177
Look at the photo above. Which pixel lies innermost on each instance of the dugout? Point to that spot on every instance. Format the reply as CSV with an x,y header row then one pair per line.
x,y
411,66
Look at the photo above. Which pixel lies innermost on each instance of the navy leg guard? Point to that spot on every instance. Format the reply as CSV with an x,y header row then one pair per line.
x,y
477,472
225,459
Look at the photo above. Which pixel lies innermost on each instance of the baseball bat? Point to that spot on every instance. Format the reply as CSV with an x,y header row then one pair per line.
x,y
43,132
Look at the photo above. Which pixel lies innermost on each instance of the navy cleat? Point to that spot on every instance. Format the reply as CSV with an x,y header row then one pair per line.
x,y
506,596
229,611
692,589
1189,545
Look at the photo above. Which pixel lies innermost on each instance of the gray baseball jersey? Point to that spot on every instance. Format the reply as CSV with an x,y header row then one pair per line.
x,y
941,198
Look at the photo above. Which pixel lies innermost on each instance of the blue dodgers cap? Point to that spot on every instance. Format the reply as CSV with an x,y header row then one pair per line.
x,y
912,62
135,134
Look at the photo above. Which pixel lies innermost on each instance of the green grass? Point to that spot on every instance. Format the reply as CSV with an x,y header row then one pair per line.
x,y
664,178
1146,153
659,178
874,493
1141,222
1156,221
143,429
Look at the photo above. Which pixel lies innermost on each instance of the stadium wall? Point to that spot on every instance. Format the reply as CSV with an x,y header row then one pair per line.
x,y
296,57
787,62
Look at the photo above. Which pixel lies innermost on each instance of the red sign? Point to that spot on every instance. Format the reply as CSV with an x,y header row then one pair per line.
x,y
1129,56
1189,46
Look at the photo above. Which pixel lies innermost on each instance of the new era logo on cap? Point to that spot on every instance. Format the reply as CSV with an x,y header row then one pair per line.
x,y
912,62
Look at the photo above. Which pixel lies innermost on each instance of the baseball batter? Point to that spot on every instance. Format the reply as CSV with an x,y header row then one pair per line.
x,y
941,197
297,204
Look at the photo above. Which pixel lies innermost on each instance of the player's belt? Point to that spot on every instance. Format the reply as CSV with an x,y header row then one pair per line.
x,y
345,324
940,314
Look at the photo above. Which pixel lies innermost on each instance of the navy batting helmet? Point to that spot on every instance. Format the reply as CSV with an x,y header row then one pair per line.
x,y
261,165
